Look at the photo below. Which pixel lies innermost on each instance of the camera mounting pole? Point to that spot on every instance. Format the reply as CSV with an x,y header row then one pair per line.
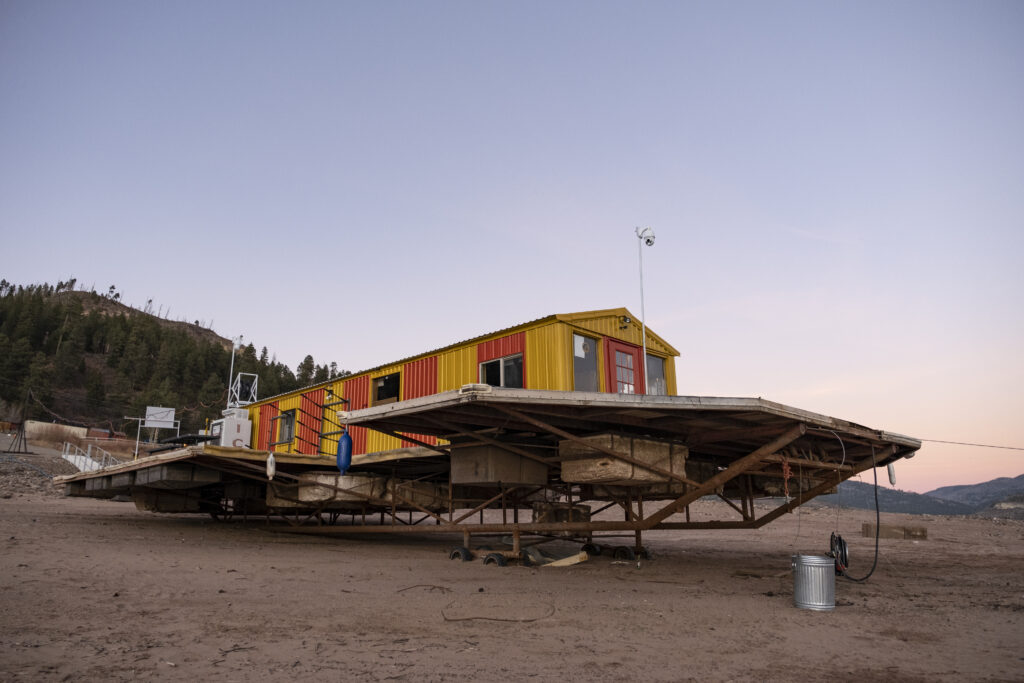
x,y
644,236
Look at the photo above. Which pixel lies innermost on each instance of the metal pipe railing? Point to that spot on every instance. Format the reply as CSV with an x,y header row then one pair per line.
x,y
89,460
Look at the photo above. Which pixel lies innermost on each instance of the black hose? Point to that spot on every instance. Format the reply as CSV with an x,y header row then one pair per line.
x,y
839,549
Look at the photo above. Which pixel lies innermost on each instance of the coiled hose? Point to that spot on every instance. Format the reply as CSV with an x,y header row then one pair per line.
x,y
838,548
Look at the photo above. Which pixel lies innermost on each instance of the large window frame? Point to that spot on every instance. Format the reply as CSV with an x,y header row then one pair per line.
x,y
505,371
625,373
285,427
586,366
386,389
657,383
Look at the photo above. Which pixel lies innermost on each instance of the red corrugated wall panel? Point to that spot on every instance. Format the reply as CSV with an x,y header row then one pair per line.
x,y
267,413
504,346
419,378
357,391
310,417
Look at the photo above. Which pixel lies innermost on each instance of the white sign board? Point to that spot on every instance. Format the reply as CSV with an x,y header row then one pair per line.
x,y
161,418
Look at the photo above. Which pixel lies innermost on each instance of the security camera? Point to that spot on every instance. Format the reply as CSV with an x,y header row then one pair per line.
x,y
647,235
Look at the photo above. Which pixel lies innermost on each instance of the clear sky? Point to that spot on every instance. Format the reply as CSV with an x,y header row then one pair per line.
x,y
837,188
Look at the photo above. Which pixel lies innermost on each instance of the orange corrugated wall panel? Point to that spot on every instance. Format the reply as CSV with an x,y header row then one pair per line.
x,y
310,417
357,391
267,413
419,379
503,346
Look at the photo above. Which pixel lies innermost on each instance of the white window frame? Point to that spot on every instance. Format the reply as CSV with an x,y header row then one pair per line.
x,y
501,368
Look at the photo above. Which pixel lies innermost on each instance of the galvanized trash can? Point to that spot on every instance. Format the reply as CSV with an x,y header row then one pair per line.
x,y
814,582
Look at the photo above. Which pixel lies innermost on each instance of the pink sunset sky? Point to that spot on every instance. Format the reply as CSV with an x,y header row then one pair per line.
x,y
835,187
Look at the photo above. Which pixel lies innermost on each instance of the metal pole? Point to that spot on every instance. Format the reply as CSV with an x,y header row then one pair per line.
x,y
643,313
231,371
645,236
235,342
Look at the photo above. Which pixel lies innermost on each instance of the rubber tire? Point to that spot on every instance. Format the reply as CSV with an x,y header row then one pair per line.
x,y
624,552
592,549
644,554
496,559
460,553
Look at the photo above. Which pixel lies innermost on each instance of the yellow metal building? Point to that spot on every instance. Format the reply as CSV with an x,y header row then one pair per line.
x,y
595,351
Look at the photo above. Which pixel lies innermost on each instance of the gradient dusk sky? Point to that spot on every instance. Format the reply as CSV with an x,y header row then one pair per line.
x,y
837,188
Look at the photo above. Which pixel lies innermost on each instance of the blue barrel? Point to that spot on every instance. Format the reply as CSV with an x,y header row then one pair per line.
x,y
344,458
814,582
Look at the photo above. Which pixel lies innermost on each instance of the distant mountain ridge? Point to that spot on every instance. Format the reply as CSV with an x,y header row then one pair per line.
x,y
969,499
984,495
861,495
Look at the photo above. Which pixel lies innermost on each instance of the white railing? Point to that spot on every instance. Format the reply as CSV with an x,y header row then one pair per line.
x,y
95,458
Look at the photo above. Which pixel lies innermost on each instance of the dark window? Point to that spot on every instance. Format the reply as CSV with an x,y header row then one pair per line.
x,y
386,388
503,372
656,384
584,363
285,427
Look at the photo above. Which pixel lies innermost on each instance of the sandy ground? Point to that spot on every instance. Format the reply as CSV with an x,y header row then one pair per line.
x,y
94,590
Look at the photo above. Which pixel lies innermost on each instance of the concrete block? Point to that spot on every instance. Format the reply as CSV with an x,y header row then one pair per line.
x,y
894,531
584,465
490,465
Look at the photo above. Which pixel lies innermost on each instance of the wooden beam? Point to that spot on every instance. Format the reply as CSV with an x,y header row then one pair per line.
x,y
734,434
824,487
730,472
493,442
810,464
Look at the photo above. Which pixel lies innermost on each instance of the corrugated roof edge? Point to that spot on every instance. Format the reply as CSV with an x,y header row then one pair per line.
x,y
562,317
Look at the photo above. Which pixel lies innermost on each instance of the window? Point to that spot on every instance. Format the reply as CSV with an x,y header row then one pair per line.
x,y
285,427
503,372
656,384
584,363
624,377
386,388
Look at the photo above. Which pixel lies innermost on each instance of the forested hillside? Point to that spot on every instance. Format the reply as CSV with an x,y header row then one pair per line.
x,y
84,358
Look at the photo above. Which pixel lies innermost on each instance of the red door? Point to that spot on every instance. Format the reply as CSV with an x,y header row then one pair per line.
x,y
622,362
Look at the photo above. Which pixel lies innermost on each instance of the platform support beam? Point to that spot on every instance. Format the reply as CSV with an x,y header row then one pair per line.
x,y
732,471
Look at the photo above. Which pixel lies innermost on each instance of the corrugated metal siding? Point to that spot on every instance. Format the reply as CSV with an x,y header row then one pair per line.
x,y
375,441
456,368
419,378
387,370
545,343
500,347
329,421
612,326
263,428
357,391
288,403
309,418
548,357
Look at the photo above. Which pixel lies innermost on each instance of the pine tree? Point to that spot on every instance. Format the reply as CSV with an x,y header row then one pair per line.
x,y
304,371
